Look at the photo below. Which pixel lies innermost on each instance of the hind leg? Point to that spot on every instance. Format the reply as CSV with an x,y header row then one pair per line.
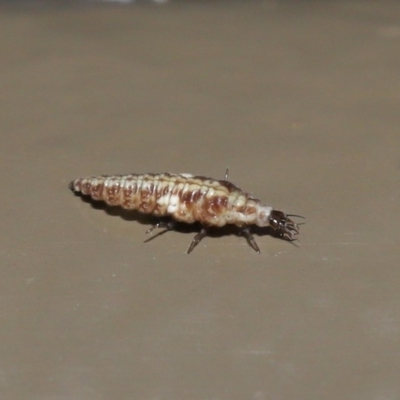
x,y
168,225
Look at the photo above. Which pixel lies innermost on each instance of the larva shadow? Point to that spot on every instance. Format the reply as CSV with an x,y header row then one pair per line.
x,y
195,228
186,203
269,231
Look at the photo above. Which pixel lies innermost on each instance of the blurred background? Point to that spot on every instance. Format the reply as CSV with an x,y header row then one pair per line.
x,y
300,99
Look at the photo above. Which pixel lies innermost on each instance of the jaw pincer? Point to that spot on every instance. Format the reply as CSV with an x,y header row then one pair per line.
x,y
283,225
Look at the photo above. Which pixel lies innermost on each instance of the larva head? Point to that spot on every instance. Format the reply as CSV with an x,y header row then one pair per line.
x,y
283,225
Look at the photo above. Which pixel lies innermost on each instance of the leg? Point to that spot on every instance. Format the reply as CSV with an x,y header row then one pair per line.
x,y
196,240
250,239
226,174
168,225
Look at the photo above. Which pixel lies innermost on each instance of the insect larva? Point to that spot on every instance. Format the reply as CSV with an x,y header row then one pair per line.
x,y
187,198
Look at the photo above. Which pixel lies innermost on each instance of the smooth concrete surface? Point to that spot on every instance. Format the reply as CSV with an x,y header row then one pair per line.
x,y
300,100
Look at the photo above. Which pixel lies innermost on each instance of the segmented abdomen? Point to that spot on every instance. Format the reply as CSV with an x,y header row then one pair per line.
x,y
185,197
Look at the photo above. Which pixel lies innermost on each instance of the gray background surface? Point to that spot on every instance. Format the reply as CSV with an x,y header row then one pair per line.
x,y
300,100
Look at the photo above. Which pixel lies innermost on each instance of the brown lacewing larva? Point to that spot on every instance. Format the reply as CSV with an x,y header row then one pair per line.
x,y
188,198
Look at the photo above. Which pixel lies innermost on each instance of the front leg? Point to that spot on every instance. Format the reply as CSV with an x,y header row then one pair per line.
x,y
226,174
250,239
197,239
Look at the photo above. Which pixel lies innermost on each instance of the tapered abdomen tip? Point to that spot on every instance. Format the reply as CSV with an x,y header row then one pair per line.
x,y
74,186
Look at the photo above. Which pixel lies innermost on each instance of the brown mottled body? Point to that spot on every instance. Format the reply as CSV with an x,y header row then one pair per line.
x,y
186,198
